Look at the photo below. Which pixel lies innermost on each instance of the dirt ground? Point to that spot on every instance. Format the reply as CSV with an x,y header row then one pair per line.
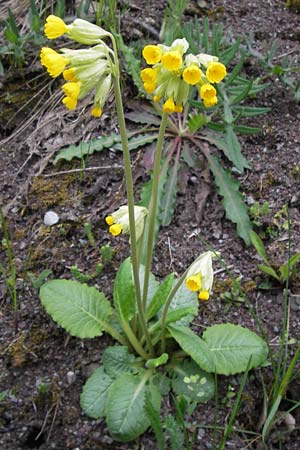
x,y
42,368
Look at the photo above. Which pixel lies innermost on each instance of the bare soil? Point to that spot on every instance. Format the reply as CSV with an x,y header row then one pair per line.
x,y
34,350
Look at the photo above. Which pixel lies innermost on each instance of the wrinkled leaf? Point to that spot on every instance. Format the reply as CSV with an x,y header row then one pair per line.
x,y
160,296
94,393
192,382
126,418
234,152
232,346
194,346
81,310
117,360
138,141
235,208
86,148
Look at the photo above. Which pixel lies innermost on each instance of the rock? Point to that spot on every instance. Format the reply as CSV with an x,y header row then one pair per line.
x,y
50,218
71,377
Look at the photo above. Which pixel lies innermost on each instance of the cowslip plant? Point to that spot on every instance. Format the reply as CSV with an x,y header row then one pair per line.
x,y
156,349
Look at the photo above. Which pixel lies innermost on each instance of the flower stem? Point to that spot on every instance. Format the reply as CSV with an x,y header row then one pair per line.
x,y
153,205
166,308
130,199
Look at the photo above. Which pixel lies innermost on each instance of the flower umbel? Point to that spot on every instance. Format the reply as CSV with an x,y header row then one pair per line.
x,y
174,73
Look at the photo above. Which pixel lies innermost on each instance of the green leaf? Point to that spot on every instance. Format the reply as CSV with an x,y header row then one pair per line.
x,y
155,421
3,395
125,414
86,148
117,360
259,246
160,296
234,152
175,433
192,382
242,129
235,72
184,306
235,208
269,271
294,259
156,362
250,111
194,346
143,117
196,121
81,310
138,141
94,393
232,346
242,95
132,63
124,291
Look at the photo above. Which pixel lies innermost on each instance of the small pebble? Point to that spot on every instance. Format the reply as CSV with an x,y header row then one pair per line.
x,y
50,218
71,377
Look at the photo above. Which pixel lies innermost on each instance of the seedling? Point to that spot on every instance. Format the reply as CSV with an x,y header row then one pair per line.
x,y
285,272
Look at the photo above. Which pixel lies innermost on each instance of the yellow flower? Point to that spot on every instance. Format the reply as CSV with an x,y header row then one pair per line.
x,y
208,103
118,221
70,74
171,60
149,87
156,98
203,295
53,61
109,220
178,108
215,72
149,75
115,229
72,89
70,102
194,282
152,54
97,112
55,27
192,74
207,92
169,106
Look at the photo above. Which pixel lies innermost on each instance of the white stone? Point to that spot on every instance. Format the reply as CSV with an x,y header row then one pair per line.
x,y
50,218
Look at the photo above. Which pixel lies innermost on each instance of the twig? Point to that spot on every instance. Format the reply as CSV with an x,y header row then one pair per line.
x,y
85,169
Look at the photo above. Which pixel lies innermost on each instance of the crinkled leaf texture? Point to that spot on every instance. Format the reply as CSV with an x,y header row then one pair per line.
x,y
185,302
81,310
192,382
117,360
94,393
125,415
232,346
225,349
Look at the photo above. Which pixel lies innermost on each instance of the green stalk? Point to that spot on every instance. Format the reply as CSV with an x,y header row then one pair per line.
x,y
130,199
153,207
166,308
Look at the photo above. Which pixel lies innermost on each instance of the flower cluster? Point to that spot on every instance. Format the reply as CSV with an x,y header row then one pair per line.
x,y
172,74
82,69
119,221
200,276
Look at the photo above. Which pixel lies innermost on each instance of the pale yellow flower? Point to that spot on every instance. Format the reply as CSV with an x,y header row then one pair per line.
x,y
152,54
215,72
55,27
